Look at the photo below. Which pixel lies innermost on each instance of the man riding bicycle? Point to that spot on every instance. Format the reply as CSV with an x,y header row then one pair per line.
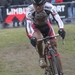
x,y
38,26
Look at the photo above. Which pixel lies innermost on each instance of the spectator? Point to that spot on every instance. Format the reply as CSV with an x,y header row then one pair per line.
x,y
71,10
15,20
48,0
27,2
52,1
5,3
56,1
16,2
1,17
66,0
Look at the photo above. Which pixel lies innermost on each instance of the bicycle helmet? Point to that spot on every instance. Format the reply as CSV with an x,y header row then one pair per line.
x,y
38,2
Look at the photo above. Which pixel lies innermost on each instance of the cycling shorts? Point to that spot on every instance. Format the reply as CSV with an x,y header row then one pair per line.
x,y
46,30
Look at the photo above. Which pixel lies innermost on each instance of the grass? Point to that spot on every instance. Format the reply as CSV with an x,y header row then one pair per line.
x,y
18,57
10,37
70,39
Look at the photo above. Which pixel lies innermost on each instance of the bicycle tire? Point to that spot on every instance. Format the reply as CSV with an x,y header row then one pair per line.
x,y
47,69
54,64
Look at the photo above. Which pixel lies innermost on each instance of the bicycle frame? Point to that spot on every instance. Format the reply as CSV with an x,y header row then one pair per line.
x,y
48,49
47,55
50,56
47,42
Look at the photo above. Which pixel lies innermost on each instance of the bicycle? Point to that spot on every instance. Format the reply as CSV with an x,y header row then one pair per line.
x,y
53,66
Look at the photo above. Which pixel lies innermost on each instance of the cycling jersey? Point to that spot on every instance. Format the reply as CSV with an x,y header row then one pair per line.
x,y
41,18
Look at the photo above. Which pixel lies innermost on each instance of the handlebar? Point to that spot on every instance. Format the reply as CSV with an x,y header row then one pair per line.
x,y
48,37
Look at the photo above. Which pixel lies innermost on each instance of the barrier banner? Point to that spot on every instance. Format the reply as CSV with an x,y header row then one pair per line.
x,y
14,13
62,10
17,13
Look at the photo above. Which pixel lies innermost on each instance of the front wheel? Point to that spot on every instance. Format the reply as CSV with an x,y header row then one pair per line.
x,y
54,64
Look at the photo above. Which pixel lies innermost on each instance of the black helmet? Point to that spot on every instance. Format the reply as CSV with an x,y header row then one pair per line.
x,y
38,2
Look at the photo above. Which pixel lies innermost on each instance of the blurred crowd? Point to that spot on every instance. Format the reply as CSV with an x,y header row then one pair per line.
x,y
7,3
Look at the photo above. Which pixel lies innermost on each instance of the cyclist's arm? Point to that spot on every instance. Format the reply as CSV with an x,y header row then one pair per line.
x,y
54,13
57,18
59,21
29,29
29,11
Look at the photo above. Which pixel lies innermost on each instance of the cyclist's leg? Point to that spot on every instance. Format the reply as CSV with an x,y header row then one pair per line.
x,y
38,35
32,31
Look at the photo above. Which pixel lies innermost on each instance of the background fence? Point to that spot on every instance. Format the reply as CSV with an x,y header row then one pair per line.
x,y
16,13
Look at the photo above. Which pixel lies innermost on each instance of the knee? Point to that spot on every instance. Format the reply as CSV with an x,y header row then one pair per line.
x,y
33,41
37,34
54,44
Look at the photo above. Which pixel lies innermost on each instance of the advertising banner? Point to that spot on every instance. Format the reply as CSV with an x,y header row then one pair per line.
x,y
62,9
18,12
14,13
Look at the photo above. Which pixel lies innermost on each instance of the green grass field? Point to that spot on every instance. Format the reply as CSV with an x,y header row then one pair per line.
x,y
18,57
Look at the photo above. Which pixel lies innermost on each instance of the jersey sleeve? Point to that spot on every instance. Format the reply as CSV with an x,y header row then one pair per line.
x,y
54,13
29,11
59,21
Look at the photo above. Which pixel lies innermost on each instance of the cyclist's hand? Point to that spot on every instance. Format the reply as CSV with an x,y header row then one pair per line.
x,y
62,33
33,41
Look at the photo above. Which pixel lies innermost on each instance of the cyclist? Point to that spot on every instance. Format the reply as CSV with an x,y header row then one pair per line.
x,y
38,26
